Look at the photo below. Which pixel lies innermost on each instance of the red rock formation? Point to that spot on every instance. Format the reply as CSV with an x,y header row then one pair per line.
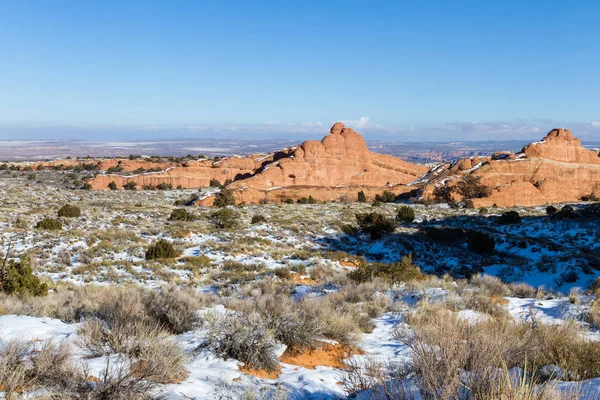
x,y
191,174
557,169
335,168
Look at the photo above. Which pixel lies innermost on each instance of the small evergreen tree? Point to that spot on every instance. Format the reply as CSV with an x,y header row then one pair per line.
x,y
405,214
69,211
131,185
224,218
361,197
160,249
258,219
214,183
509,217
224,198
18,278
112,185
386,197
374,224
469,187
181,214
49,224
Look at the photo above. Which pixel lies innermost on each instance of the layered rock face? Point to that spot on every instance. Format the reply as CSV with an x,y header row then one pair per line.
x,y
333,169
557,169
191,174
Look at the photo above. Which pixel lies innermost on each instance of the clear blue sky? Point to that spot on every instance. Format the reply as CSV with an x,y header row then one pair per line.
x,y
401,69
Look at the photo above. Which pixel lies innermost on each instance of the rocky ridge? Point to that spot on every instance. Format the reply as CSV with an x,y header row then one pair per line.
x,y
557,169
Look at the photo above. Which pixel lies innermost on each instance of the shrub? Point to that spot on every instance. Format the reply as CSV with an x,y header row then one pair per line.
x,y
174,308
304,200
86,186
590,197
469,187
131,185
490,285
386,197
164,186
452,355
69,211
376,203
551,210
49,224
181,214
401,271
112,185
214,183
375,224
361,197
258,219
225,218
282,272
509,217
405,214
443,193
444,234
480,242
289,201
224,198
160,249
244,337
18,278
522,290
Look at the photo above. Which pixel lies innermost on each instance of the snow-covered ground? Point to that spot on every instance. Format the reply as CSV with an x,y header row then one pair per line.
x,y
106,246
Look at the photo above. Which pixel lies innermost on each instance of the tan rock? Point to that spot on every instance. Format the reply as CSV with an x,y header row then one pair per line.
x,y
335,168
557,169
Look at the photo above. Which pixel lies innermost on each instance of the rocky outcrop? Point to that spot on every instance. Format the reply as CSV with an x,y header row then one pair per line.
x,y
335,168
190,174
554,170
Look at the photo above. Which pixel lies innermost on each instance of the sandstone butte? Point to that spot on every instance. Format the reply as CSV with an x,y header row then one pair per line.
x,y
335,168
555,170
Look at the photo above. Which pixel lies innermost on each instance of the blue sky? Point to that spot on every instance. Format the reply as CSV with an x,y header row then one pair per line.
x,y
414,70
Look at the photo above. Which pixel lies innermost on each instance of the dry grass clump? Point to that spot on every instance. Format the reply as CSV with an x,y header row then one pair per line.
x,y
173,309
385,381
523,290
490,285
245,337
245,391
592,314
451,355
290,323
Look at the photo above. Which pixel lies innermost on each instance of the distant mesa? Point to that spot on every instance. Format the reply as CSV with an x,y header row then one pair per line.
x,y
557,169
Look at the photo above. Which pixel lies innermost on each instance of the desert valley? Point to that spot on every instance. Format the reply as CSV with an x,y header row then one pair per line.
x,y
299,200
320,270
